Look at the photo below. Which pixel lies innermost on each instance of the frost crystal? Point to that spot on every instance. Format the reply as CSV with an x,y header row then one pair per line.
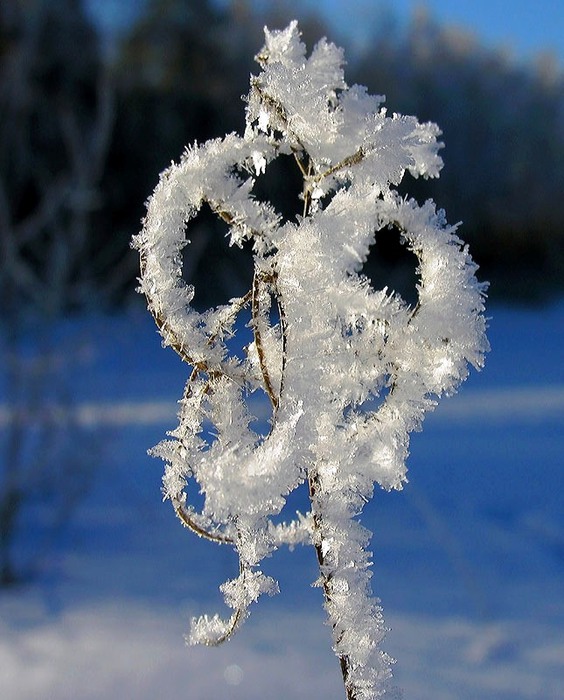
x,y
349,370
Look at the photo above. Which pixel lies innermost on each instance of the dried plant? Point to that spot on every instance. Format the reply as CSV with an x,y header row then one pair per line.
x,y
349,370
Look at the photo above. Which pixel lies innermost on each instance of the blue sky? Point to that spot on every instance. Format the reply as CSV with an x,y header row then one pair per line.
x,y
524,27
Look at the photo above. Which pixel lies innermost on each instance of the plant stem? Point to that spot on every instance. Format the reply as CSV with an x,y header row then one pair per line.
x,y
326,578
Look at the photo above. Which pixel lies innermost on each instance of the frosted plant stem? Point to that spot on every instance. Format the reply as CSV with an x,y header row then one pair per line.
x,y
187,519
317,537
258,280
349,370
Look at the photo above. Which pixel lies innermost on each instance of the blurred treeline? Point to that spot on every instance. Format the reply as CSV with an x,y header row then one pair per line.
x,y
87,122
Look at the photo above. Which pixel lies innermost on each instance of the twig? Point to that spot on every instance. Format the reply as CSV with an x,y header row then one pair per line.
x,y
187,519
257,280
317,529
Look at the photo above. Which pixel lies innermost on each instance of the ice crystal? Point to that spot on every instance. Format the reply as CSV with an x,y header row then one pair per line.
x,y
350,370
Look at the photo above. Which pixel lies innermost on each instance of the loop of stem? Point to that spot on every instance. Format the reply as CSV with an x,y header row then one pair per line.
x,y
189,521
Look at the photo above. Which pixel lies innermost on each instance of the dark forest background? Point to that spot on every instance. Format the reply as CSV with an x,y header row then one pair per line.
x,y
88,121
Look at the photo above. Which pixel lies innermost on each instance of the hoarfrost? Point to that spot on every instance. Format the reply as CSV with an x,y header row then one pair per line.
x,y
336,344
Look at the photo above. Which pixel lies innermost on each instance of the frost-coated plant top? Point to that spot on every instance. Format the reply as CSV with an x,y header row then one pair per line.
x,y
349,370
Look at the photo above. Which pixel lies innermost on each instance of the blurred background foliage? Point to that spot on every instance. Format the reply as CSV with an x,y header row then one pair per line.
x,y
89,118
91,113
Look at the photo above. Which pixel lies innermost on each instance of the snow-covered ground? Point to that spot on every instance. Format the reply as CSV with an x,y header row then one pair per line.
x,y
468,559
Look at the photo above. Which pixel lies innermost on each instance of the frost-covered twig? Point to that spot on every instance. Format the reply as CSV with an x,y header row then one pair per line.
x,y
349,370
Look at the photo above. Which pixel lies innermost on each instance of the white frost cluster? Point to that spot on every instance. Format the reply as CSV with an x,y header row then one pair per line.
x,y
350,370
